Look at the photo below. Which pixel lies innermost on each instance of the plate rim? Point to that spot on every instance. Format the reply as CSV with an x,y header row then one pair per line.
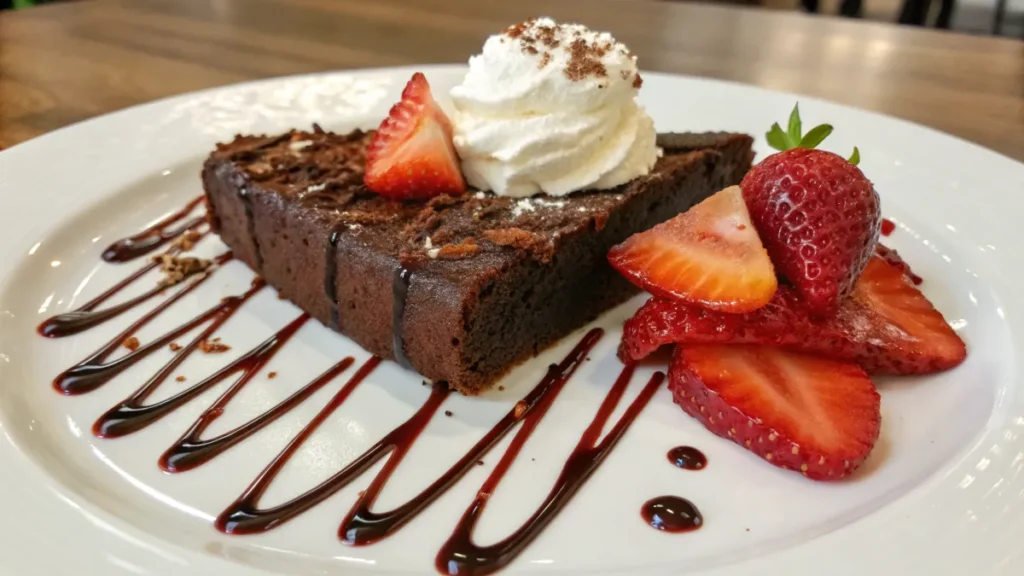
x,y
794,557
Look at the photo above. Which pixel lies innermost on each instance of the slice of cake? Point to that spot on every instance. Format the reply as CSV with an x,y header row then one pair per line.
x,y
458,288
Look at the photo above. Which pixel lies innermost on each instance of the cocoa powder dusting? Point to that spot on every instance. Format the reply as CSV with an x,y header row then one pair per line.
x,y
584,61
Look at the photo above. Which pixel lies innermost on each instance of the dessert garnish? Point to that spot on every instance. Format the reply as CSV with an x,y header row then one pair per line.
x,y
710,256
789,380
551,108
818,215
411,155
800,412
887,326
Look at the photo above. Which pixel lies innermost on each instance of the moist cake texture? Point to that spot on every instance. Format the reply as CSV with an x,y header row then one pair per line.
x,y
456,288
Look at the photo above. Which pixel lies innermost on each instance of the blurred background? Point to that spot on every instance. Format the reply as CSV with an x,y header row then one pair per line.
x,y
989,17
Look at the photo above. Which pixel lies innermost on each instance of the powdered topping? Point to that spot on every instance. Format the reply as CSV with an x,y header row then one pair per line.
x,y
586,48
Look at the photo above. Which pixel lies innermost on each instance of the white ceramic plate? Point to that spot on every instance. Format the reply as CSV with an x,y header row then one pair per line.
x,y
941,493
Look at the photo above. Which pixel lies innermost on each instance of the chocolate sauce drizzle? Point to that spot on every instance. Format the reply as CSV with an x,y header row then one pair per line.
x,y
87,316
460,555
243,196
155,236
94,371
400,293
361,526
331,272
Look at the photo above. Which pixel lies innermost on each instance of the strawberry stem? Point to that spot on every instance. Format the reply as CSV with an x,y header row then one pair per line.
x,y
793,136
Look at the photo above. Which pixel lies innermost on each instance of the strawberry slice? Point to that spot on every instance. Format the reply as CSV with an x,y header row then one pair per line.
x,y
926,336
799,412
894,259
412,156
710,256
887,326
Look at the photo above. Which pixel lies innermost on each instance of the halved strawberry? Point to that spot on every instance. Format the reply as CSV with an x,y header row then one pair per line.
x,y
412,155
886,326
710,256
806,413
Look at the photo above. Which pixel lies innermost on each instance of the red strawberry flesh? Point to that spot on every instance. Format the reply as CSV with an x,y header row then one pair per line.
x,y
813,415
412,155
710,256
887,326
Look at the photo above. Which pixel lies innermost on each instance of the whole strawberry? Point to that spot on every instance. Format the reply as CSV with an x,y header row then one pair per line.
x,y
817,214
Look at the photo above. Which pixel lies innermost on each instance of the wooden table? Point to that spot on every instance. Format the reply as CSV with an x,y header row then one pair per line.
x,y
67,62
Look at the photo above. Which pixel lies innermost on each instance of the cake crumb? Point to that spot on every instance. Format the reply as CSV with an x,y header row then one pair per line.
x,y
131,343
174,346
187,241
479,462
536,244
180,379
519,410
463,249
448,413
213,346
178,268
272,375
501,388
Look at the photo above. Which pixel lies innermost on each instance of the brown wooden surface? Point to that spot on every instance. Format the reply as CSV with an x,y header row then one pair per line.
x,y
63,63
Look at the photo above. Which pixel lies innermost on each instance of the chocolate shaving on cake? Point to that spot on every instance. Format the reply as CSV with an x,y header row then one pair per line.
x,y
178,268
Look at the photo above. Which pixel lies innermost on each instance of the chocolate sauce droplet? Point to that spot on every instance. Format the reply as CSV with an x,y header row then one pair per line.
x,y
687,458
672,514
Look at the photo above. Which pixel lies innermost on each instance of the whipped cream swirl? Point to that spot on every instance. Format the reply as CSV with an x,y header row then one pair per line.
x,y
552,108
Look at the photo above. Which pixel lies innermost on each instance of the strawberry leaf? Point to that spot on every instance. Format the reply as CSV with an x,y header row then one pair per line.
x,y
795,130
855,157
816,136
778,139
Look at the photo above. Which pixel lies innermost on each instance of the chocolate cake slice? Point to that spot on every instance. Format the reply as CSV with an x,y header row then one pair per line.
x,y
457,288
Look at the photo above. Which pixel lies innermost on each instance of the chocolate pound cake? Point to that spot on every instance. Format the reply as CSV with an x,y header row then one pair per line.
x,y
457,288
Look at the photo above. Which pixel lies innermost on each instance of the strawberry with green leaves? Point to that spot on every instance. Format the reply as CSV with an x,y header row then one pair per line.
x,y
818,216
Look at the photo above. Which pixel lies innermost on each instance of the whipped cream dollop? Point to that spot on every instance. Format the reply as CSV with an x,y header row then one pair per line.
x,y
552,108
